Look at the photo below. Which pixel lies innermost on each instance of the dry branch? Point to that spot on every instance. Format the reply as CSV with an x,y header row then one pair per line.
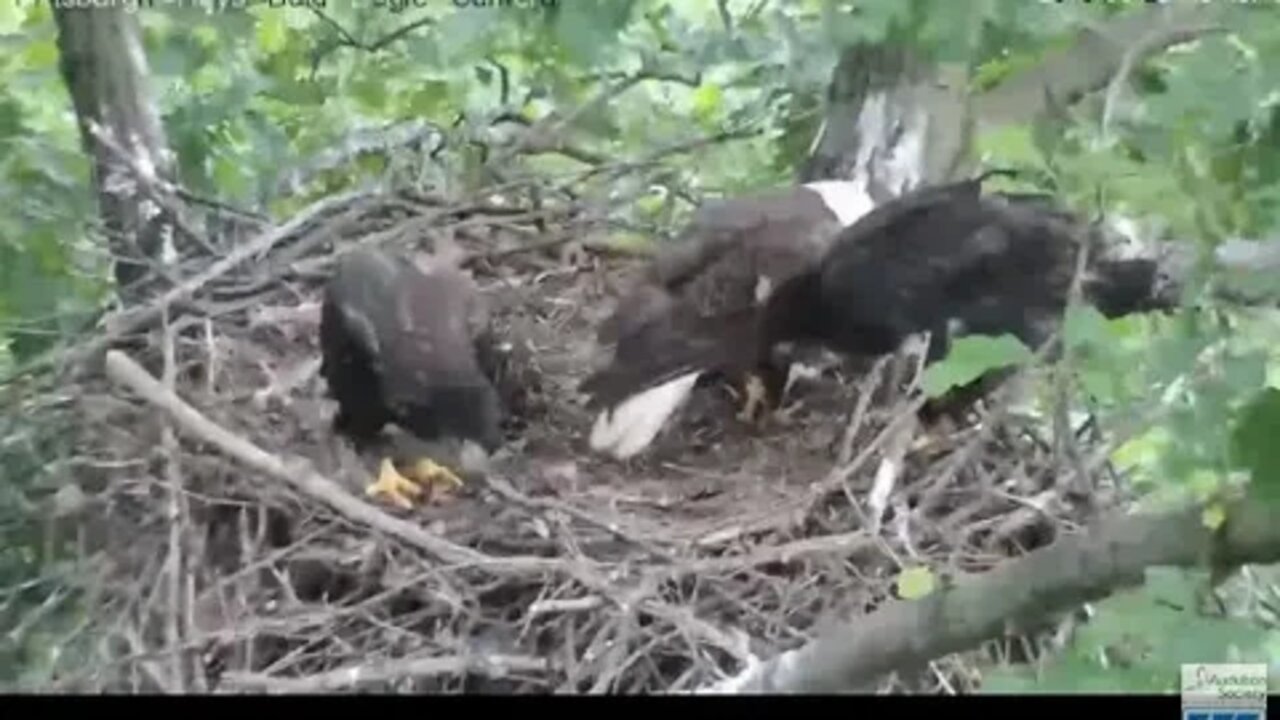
x,y
1088,64
130,321
297,473
1075,570
356,675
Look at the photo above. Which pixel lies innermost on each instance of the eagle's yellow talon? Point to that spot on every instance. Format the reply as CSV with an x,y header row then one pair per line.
x,y
429,472
754,397
393,486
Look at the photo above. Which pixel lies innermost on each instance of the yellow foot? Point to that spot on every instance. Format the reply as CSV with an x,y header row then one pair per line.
x,y
755,397
398,487
432,474
393,486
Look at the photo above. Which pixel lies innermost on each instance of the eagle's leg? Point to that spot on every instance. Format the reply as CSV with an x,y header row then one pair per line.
x,y
392,485
755,396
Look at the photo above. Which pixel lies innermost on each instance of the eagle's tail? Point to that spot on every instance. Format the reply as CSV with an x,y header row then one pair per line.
x,y
630,426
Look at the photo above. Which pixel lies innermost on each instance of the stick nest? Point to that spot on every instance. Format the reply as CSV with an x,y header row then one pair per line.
x,y
567,572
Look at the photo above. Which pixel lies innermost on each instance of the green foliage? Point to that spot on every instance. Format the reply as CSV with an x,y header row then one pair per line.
x,y
1136,640
1191,143
1254,442
970,358
49,280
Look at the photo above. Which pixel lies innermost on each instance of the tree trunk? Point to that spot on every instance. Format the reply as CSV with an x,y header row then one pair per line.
x,y
105,70
891,123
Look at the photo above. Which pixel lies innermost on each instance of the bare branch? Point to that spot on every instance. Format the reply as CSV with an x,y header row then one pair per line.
x,y
1077,569
297,473
1097,55
357,675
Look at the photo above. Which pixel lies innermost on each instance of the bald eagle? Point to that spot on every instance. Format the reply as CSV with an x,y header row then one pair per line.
x,y
409,342
953,260
696,309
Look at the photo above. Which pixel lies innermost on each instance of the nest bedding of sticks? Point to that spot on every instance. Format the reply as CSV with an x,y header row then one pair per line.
x,y
562,572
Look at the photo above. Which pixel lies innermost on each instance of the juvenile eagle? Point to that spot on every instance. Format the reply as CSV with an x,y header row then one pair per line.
x,y
408,342
696,309
951,260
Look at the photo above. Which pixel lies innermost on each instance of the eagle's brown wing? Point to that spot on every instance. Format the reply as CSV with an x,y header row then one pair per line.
x,y
696,309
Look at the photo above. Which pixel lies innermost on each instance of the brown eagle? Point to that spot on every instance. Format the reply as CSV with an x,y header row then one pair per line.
x,y
953,260
695,310
409,342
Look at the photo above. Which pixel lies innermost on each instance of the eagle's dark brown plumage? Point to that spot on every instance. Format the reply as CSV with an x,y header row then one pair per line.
x,y
409,342
951,260
696,309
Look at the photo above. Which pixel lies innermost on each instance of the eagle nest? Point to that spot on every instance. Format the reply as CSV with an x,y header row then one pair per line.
x,y
227,546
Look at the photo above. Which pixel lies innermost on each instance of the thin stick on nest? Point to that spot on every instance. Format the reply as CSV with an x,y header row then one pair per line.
x,y
297,473
174,564
495,666
891,465
132,320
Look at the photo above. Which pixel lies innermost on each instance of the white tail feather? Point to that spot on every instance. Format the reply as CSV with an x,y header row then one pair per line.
x,y
847,200
629,427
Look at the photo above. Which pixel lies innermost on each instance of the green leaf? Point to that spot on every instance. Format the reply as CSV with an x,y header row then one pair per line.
x,y
1254,443
43,54
970,358
915,583
1213,516
428,98
650,205
1141,633
1142,450
586,28
370,92
12,14
457,36
707,101
1245,372
1085,327
271,31
1010,145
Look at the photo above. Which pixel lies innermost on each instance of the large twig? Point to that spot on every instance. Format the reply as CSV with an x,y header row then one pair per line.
x,y
344,678
1155,40
1092,60
547,133
297,473
174,564
130,321
1077,569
